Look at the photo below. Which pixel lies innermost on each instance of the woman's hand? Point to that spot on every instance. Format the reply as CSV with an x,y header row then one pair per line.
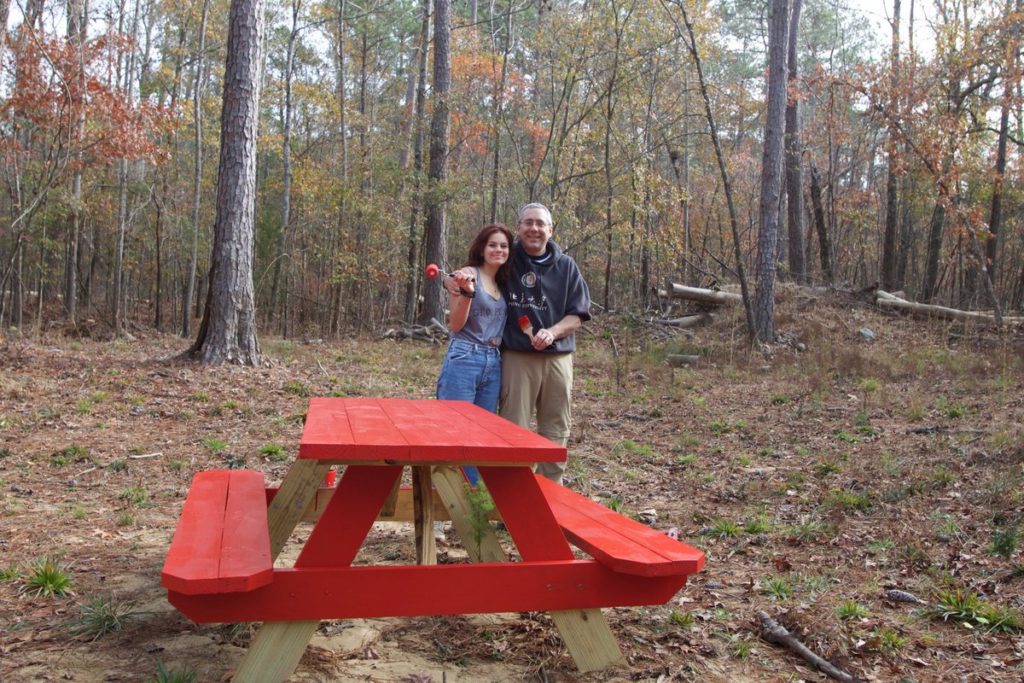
x,y
465,279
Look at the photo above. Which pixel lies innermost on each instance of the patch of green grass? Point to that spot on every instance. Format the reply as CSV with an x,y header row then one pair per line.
x,y
815,584
229,405
779,400
134,495
941,477
79,512
72,453
1005,541
273,451
969,609
633,447
296,388
614,503
777,588
849,501
214,445
83,406
889,640
48,578
827,466
741,649
761,524
686,460
176,465
845,436
810,531
101,616
9,573
174,675
723,528
682,619
880,545
201,397
480,508
126,519
685,443
851,609
5,453
117,466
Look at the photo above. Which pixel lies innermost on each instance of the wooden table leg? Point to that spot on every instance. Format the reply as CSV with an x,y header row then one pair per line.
x,y
480,540
297,493
278,645
423,515
536,533
275,651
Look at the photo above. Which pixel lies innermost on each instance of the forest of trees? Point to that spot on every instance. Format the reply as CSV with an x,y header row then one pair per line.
x,y
900,161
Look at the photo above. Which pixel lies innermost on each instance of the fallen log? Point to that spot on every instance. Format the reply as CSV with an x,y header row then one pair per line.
x,y
890,301
686,322
707,296
678,360
774,632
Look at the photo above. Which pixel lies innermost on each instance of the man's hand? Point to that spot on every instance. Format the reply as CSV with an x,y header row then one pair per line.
x,y
542,339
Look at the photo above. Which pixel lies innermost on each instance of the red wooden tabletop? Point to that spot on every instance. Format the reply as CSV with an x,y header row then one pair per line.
x,y
406,431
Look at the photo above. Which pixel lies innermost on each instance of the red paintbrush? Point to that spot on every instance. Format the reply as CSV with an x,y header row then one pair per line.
x,y
526,326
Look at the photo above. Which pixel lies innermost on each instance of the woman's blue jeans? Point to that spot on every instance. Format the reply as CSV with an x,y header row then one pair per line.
x,y
471,372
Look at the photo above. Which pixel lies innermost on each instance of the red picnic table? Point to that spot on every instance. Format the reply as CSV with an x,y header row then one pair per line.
x,y
220,566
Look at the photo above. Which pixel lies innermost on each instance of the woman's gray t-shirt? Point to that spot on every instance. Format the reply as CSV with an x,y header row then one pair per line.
x,y
486,319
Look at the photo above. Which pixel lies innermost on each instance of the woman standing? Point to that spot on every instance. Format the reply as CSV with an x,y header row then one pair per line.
x,y
472,366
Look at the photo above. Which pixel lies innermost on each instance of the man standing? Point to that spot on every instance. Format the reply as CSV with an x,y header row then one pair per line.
x,y
548,300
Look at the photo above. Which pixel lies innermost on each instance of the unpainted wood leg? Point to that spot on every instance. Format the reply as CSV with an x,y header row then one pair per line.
x,y
480,540
589,639
275,651
423,515
293,499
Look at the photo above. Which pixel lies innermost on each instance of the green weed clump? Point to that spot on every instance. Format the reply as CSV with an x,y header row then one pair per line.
x,y
101,616
851,609
968,609
49,578
174,675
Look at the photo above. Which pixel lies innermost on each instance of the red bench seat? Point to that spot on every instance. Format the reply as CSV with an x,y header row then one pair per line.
x,y
616,541
222,541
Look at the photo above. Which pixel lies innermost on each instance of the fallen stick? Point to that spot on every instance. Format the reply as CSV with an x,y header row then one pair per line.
x,y
774,632
145,456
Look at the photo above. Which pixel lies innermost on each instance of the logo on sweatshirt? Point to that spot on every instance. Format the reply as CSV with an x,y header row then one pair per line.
x,y
529,279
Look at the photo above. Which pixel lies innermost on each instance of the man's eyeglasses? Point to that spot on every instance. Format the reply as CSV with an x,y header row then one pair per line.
x,y
533,223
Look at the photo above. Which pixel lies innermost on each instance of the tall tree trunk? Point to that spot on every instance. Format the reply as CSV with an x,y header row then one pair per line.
x,y
771,171
339,291
824,243
498,113
127,83
794,153
936,227
609,113
435,245
228,330
197,175
722,170
416,198
78,12
890,281
286,157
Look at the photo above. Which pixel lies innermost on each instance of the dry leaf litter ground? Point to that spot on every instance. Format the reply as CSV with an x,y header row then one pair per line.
x,y
815,480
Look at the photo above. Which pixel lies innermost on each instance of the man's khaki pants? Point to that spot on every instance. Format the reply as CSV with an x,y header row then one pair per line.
x,y
539,384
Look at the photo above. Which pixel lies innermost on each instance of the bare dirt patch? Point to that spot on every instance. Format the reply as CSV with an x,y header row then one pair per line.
x,y
815,480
